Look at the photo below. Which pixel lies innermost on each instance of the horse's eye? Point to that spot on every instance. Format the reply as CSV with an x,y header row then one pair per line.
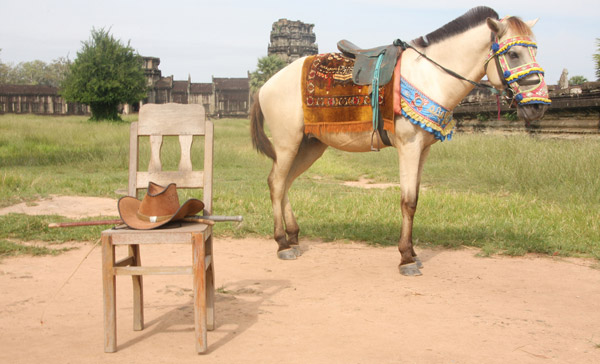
x,y
513,55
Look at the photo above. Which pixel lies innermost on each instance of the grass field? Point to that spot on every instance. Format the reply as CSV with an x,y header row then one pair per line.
x,y
505,194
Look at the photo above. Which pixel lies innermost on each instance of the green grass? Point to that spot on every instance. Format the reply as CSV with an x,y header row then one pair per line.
x,y
41,155
9,248
35,228
504,194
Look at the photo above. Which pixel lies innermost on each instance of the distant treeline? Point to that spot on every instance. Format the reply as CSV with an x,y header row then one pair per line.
x,y
35,72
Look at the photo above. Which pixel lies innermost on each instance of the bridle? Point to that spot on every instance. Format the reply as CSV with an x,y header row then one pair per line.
x,y
538,94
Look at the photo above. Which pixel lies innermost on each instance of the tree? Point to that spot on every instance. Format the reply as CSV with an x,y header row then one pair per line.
x,y
105,73
5,72
597,59
57,71
31,73
577,80
35,72
265,69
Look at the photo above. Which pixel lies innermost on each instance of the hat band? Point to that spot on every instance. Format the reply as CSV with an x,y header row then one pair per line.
x,y
153,218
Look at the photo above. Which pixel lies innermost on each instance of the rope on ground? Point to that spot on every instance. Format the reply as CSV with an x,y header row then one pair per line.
x,y
67,281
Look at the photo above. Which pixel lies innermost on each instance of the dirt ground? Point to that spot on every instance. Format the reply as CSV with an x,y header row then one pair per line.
x,y
339,303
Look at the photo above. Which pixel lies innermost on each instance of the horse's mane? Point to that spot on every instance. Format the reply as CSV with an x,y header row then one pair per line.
x,y
518,26
470,19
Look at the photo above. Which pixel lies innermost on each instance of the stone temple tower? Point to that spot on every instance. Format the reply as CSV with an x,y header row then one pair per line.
x,y
291,40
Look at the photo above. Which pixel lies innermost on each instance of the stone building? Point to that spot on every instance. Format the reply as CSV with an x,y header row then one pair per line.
x,y
563,82
224,97
231,96
37,99
291,40
202,93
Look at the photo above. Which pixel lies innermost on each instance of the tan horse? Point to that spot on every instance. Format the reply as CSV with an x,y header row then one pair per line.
x,y
462,46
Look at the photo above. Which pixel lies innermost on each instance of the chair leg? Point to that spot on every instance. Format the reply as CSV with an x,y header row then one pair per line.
x,y
199,283
210,287
109,293
138,290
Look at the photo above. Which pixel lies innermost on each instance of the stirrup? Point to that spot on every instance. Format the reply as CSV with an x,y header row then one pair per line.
x,y
378,148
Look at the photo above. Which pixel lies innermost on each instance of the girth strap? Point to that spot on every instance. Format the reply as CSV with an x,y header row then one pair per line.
x,y
382,135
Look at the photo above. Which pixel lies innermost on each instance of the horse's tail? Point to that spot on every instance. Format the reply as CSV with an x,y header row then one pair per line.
x,y
260,141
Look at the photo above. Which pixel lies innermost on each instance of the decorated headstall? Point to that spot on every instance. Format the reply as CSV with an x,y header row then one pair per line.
x,y
537,93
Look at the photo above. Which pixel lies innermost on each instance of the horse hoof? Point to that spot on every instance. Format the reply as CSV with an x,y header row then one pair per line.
x,y
410,270
296,249
419,263
287,254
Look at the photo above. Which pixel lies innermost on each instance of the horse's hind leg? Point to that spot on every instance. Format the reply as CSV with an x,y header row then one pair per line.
x,y
310,150
278,187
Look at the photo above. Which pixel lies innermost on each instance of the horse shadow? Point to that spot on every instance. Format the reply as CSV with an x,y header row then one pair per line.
x,y
430,236
237,308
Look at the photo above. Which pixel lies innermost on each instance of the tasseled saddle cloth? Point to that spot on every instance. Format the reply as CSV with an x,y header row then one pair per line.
x,y
333,103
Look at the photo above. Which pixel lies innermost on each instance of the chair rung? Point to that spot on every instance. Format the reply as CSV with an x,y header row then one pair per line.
x,y
122,268
124,262
138,271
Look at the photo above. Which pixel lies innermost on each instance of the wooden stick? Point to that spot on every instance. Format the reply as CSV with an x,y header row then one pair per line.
x,y
84,223
210,220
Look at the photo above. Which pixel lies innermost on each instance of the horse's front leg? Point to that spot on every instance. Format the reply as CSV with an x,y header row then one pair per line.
x,y
412,158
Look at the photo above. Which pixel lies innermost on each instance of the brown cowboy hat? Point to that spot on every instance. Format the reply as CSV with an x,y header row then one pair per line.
x,y
159,207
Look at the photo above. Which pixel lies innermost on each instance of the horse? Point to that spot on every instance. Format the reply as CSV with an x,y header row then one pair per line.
x,y
441,65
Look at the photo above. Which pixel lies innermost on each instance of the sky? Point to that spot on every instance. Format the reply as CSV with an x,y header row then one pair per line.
x,y
225,38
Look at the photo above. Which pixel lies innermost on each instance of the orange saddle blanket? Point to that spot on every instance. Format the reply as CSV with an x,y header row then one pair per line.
x,y
333,103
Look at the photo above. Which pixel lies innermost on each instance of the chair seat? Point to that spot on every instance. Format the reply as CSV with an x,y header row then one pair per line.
x,y
174,233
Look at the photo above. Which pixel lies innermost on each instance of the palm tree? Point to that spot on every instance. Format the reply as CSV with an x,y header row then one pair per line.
x,y
266,68
577,80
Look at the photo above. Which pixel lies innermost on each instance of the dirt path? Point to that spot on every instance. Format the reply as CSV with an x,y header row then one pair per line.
x,y
339,303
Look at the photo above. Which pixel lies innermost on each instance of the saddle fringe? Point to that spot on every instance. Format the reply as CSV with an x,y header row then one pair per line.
x,y
318,129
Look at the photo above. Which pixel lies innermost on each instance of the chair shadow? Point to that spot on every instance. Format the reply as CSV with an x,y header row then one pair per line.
x,y
226,301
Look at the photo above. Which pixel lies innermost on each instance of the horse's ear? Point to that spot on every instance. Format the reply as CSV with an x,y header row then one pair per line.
x,y
531,23
496,26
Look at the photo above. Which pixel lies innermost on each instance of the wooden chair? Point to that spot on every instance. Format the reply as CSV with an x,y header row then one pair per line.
x,y
156,121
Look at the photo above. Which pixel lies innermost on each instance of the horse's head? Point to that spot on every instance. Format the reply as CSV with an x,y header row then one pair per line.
x,y
512,66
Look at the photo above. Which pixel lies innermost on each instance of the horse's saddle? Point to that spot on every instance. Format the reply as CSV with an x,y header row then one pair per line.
x,y
366,61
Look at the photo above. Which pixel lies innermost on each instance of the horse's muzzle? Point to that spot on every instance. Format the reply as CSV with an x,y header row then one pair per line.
x,y
531,112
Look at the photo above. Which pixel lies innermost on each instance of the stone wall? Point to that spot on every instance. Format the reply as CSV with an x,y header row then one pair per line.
x,y
223,97
37,99
574,110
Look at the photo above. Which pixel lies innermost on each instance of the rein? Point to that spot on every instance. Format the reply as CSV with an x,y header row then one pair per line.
x,y
404,46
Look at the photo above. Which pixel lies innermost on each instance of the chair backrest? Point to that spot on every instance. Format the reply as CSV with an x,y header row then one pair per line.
x,y
185,121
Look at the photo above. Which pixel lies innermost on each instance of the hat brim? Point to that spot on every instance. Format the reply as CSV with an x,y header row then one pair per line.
x,y
128,207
